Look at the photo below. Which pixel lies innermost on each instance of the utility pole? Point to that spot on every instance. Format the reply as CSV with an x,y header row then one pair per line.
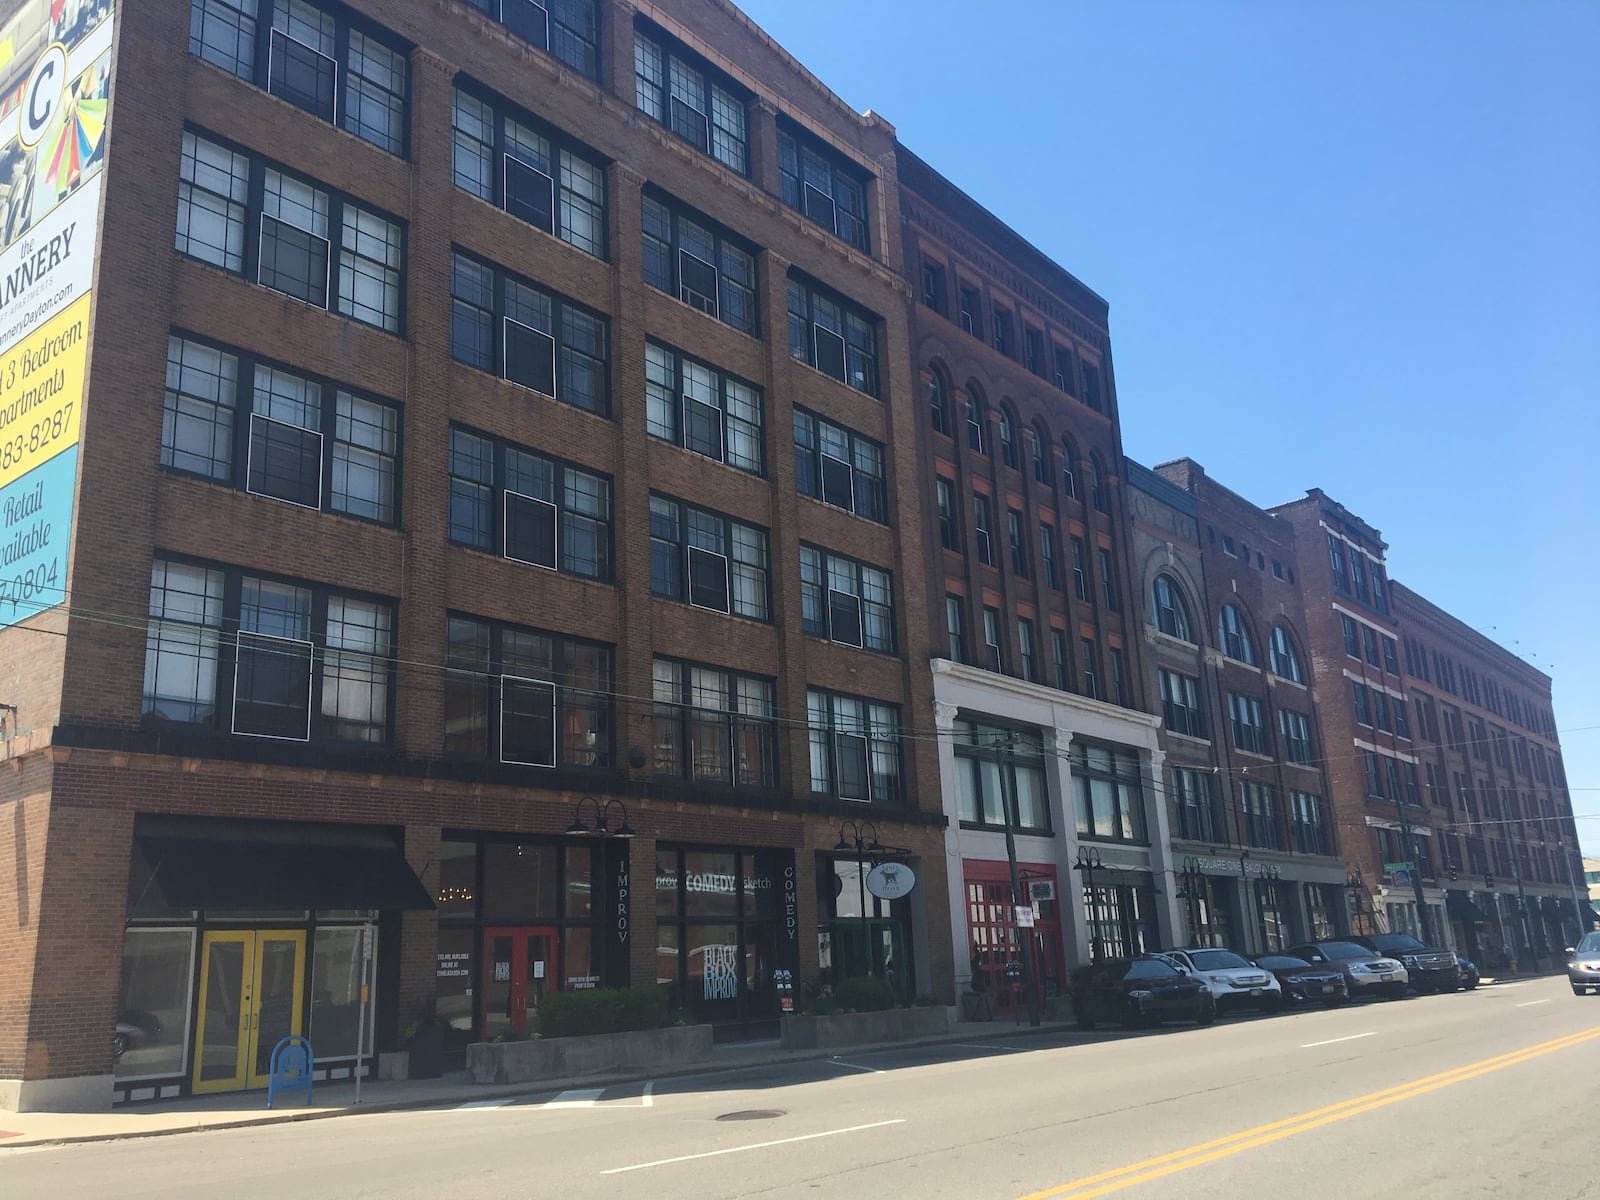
x,y
1416,875
1003,751
1572,886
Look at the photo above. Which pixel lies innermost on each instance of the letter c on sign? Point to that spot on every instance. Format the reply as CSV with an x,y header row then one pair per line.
x,y
41,101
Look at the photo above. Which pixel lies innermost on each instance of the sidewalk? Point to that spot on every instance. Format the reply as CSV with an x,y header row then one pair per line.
x,y
235,1109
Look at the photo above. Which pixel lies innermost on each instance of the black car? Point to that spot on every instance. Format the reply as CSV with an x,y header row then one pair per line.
x,y
1430,968
1305,982
1468,971
1138,992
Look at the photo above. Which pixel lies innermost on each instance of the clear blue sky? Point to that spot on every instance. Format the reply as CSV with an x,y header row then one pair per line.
x,y
1353,245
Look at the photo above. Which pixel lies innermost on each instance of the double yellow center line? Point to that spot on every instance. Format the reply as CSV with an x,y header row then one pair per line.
x,y
1193,1156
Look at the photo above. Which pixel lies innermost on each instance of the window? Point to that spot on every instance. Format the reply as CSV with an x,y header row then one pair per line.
x,y
1008,440
340,72
1170,610
1097,485
1026,654
714,726
1380,598
1119,684
1180,703
980,529
568,29
1228,547
1363,705
528,508
1308,827
1402,726
1080,569
1038,439
1285,662
530,171
1047,556
822,185
266,658
1369,643
839,467
1380,710
1069,479
955,622
1058,659
688,257
949,530
520,696
702,409
1258,805
970,309
1033,350
982,790
1296,730
977,414
1195,807
1091,668
833,336
1019,544
855,747
679,90
1002,332
708,560
993,658
1108,580
1352,636
251,219
297,439
1336,558
1248,732
1358,574
536,339
1277,569
1109,797
933,286
1374,777
846,601
1066,371
1233,636
1091,385
1391,662
938,402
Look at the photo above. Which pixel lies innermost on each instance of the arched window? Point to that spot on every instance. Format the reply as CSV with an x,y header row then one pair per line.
x,y
1008,439
1037,441
1233,637
1169,609
1069,466
1097,484
1285,662
976,410
939,401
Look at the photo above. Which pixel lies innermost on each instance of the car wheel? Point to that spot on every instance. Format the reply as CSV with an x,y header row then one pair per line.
x,y
1272,1004
1471,986
1335,1001
119,1046
1207,1015
1398,993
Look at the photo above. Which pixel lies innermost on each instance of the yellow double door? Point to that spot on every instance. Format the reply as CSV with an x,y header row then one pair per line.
x,y
251,987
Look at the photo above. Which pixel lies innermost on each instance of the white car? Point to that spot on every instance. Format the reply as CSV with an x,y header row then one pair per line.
x,y
1235,982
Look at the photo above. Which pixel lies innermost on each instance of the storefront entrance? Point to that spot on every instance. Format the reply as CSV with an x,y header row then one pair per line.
x,y
519,971
251,986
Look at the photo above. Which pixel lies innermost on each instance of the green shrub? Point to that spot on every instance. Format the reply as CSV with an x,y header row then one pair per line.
x,y
604,1010
864,994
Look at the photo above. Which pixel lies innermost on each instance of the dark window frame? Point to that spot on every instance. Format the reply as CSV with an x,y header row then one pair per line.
x,y
725,246
846,179
812,476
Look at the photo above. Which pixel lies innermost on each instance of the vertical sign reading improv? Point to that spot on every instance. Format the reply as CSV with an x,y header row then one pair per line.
x,y
55,94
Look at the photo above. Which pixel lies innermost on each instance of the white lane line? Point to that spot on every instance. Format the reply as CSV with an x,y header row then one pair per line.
x,y
649,1100
986,1046
1331,1041
482,1104
1529,1003
839,1062
578,1098
804,1137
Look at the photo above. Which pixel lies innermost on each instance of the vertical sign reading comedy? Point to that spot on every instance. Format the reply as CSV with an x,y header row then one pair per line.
x,y
55,95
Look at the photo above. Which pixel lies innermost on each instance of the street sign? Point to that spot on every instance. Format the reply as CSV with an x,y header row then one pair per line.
x,y
890,881
1392,868
1041,889
1024,916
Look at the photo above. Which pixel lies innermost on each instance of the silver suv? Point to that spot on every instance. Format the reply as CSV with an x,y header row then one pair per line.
x,y
1583,964
1235,982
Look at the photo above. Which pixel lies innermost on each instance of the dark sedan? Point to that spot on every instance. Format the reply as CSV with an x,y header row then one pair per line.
x,y
1138,992
1303,982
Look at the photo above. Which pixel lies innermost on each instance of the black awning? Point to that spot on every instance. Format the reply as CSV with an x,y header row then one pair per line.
x,y
275,865
1460,906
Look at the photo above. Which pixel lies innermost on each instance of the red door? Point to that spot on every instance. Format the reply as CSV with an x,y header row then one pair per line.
x,y
995,940
519,970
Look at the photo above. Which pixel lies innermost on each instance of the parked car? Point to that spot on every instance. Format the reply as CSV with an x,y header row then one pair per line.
x,y
1583,964
1431,969
1235,981
1138,992
1365,973
132,1030
1305,982
1468,971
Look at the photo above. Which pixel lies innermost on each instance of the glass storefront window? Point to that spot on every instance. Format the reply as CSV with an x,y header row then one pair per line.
x,y
519,881
580,881
578,970
710,883
713,964
667,960
669,897
152,1028
336,992
458,879
454,973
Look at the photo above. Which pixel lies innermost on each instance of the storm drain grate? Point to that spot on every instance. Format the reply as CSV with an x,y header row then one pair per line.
x,y
752,1114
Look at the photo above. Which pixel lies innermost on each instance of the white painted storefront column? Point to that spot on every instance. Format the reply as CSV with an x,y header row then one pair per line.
x,y
1074,913
944,722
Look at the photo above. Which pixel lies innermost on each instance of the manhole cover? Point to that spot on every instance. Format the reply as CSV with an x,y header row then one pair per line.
x,y
752,1114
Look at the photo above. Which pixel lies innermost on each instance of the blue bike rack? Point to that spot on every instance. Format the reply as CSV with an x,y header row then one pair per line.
x,y
289,1069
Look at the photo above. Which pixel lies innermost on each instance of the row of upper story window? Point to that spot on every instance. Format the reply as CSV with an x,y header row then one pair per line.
x,y
243,213
232,418
1445,726
1439,669
1183,710
235,652
1241,550
1488,858
1020,555
1199,815
351,73
1481,798
1377,709
1057,362
1170,613
1030,450
1357,574
1390,778
1066,670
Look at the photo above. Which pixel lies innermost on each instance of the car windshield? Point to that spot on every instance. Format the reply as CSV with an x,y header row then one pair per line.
x,y
1149,968
1216,960
1342,950
1394,943
1280,962
1590,944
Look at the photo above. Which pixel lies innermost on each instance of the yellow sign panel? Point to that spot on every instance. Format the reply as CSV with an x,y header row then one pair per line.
x,y
41,392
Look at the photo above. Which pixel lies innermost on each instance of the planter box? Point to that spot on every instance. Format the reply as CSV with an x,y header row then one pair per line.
x,y
575,1057
394,1064
864,1029
977,1006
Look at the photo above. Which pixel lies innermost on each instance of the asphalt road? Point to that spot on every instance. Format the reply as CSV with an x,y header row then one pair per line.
x,y
1479,1094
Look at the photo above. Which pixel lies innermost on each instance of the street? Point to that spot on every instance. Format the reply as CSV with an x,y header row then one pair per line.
x,y
1475,1094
